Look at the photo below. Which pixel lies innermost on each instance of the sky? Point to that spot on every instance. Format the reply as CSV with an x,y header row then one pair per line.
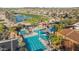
x,y
39,3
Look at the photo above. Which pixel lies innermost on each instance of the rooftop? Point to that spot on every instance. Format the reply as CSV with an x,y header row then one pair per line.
x,y
71,34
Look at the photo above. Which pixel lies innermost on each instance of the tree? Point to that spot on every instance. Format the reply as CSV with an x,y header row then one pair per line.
x,y
1,28
55,41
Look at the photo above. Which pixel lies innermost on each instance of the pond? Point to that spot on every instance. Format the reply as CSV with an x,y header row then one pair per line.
x,y
20,18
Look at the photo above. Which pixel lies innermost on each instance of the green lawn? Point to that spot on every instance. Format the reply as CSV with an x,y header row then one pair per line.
x,y
35,18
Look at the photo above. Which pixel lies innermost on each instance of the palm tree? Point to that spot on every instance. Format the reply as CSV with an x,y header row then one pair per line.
x,y
55,41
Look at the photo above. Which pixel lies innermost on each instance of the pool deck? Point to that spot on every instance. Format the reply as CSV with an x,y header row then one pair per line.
x,y
44,42
29,35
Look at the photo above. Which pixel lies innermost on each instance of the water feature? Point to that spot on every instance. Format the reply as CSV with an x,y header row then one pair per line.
x,y
20,18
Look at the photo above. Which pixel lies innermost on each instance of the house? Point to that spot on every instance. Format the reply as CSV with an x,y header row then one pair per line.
x,y
2,15
8,45
70,39
76,26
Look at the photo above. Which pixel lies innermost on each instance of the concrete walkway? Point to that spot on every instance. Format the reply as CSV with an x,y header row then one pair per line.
x,y
45,44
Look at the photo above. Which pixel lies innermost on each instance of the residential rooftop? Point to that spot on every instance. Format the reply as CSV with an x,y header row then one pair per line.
x,y
70,34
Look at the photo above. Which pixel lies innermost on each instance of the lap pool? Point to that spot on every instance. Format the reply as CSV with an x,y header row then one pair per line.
x,y
33,43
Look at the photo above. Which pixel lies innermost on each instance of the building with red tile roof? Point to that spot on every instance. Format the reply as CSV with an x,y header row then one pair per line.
x,y
70,38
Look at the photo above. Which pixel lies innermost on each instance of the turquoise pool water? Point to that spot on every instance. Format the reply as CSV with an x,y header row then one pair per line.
x,y
52,29
40,31
20,18
33,43
22,32
44,37
42,34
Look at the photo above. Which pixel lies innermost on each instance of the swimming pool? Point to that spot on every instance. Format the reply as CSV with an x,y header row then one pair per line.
x,y
39,31
33,43
22,32
52,29
42,34
44,37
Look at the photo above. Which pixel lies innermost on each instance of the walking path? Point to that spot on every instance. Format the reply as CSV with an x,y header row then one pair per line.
x,y
29,35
